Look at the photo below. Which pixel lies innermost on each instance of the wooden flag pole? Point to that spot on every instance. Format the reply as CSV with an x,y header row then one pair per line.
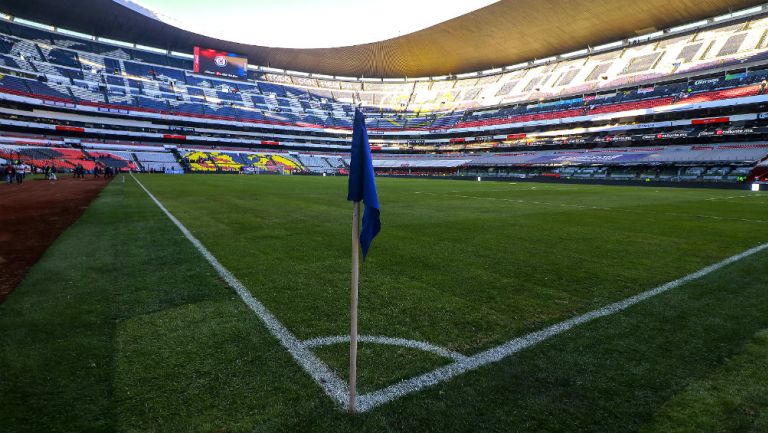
x,y
353,307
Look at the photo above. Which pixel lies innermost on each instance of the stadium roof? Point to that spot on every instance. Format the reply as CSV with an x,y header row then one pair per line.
x,y
323,24
504,33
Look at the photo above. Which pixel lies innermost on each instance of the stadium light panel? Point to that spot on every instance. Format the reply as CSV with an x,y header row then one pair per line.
x,y
609,45
300,74
75,34
687,26
574,53
183,55
151,49
644,38
115,42
5,16
737,14
540,61
33,24
517,66
492,71
466,75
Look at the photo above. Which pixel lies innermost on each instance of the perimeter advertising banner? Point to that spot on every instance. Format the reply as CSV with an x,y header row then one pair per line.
x,y
590,158
220,64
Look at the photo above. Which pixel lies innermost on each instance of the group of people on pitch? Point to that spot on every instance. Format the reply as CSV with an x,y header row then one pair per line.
x,y
50,172
15,172
79,171
108,172
98,171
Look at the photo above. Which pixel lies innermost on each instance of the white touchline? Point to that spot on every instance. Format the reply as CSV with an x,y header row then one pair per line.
x,y
336,388
317,369
376,398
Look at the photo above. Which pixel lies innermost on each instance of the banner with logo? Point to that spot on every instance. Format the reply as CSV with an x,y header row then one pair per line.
x,y
589,158
220,64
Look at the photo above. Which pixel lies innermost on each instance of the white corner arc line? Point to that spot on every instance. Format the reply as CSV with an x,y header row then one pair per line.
x,y
333,386
373,399
402,342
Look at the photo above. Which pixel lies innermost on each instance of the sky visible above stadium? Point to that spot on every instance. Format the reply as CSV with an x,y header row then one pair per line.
x,y
305,23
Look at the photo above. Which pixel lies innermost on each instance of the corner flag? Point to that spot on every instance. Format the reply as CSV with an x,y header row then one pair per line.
x,y
362,182
362,188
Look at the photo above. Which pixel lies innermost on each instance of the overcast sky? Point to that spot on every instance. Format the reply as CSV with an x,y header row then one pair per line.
x,y
309,23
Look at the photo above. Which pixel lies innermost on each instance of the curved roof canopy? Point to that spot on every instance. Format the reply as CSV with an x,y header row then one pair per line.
x,y
504,33
304,23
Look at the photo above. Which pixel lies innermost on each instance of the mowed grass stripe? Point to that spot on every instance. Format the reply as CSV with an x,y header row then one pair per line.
x,y
462,275
183,366
610,375
316,368
733,398
82,337
600,208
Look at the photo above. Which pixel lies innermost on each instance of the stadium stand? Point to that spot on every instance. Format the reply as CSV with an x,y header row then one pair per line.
x,y
90,73
65,159
713,163
200,161
157,161
610,99
212,161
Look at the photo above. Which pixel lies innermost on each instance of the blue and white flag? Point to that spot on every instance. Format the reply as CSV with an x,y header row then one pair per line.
x,y
362,183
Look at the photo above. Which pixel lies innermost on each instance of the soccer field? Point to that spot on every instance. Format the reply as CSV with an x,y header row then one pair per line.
x,y
125,326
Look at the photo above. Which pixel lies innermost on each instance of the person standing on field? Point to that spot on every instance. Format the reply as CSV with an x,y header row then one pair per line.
x,y
9,173
17,173
21,173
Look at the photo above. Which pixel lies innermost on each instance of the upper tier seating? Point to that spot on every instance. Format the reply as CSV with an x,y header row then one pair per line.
x,y
87,72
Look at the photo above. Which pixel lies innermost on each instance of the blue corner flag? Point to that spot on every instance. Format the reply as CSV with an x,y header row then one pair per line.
x,y
362,182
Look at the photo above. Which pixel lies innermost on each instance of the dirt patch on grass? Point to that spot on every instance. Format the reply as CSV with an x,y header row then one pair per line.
x,y
32,216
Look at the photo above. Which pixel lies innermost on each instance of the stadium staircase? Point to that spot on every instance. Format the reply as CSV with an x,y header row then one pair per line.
x,y
760,172
137,162
181,160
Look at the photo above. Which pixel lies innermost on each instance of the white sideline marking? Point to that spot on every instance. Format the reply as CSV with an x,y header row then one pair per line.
x,y
317,369
373,399
413,344
336,388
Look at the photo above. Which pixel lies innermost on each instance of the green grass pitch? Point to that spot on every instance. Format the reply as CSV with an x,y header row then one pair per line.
x,y
123,326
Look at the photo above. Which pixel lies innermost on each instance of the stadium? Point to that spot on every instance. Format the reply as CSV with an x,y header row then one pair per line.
x,y
572,198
